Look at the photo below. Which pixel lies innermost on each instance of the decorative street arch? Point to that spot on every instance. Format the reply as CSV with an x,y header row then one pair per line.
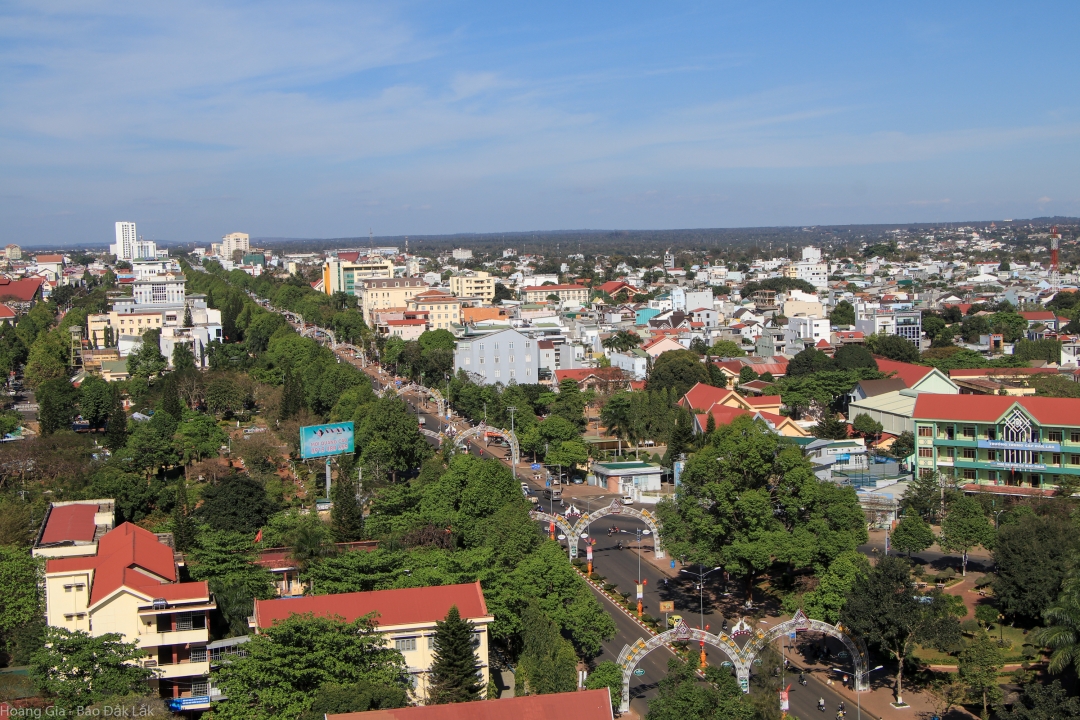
x,y
440,401
508,435
559,521
742,658
617,508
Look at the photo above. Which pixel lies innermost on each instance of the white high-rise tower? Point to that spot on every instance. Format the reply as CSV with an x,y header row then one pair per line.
x,y
126,239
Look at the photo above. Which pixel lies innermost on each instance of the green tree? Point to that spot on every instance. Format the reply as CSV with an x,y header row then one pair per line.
x,y
182,359
747,374
293,398
188,322
893,347
116,432
224,396
311,541
547,663
1062,631
979,665
608,675
288,663
830,427
965,527
923,496
16,522
391,439
1048,350
57,404
678,370
347,514
95,401
147,362
867,426
20,576
850,357
47,361
884,610
79,669
912,534
1032,558
808,362
455,672
334,699
1042,702
903,446
682,696
200,437
183,525
170,398
826,601
226,561
843,314
238,503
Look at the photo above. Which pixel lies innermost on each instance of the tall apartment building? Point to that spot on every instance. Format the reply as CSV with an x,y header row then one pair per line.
x,y
125,581
442,310
407,618
474,284
346,275
461,254
126,238
13,252
231,243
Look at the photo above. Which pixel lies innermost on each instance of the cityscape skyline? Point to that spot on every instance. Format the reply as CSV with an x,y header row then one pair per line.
x,y
330,119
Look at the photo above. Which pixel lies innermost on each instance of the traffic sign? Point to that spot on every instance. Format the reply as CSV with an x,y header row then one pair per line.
x,y
639,671
667,606
536,466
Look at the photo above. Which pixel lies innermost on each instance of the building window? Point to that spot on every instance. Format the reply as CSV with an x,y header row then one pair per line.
x,y
467,360
1074,460
510,359
969,474
498,373
950,432
926,452
496,359
481,361
528,344
528,358
1055,436
512,373
969,432
1055,459
510,345
405,644
991,433
969,453
992,476
926,431
528,372
1074,437
481,346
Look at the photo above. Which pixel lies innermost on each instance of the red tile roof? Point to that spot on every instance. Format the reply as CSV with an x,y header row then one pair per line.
x,y
988,408
393,607
404,322
1039,315
6,313
131,557
910,374
70,523
48,258
611,287
584,705
703,397
348,256
23,290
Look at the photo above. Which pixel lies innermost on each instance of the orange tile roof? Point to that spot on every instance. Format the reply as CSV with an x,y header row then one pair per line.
x,y
910,374
394,607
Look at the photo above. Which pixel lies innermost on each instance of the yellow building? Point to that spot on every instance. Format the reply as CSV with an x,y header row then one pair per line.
x,y
129,585
388,293
566,293
478,284
443,310
407,617
123,324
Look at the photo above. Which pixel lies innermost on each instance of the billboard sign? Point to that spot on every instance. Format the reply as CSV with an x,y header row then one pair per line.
x,y
323,440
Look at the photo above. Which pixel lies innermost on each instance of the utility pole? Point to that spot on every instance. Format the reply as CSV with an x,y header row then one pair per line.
x,y
513,465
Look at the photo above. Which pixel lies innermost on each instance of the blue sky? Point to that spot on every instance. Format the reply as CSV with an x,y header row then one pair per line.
x,y
324,119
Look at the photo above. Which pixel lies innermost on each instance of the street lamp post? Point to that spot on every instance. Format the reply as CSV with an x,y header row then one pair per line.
x,y
858,696
638,532
513,467
701,599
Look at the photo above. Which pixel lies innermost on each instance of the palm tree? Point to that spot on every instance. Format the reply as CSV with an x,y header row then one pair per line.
x,y
1062,634
310,543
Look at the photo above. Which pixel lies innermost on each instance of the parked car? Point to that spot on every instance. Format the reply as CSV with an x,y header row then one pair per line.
x,y
627,500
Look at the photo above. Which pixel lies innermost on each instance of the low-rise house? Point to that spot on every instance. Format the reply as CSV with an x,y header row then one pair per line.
x,y
406,616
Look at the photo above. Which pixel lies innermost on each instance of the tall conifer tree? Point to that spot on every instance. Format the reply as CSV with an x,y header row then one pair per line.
x,y
455,672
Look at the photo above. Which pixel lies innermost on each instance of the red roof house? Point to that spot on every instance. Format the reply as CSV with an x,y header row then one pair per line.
x,y
583,705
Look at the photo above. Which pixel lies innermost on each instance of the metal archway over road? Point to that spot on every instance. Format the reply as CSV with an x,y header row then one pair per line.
x,y
742,658
577,531
559,521
507,435
617,508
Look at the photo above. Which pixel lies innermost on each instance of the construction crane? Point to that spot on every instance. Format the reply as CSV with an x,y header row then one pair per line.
x,y
1055,244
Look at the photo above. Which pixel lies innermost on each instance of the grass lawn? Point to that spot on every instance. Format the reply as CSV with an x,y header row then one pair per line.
x,y
1013,654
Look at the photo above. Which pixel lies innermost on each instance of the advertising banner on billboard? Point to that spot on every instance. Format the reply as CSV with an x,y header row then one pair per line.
x,y
323,440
